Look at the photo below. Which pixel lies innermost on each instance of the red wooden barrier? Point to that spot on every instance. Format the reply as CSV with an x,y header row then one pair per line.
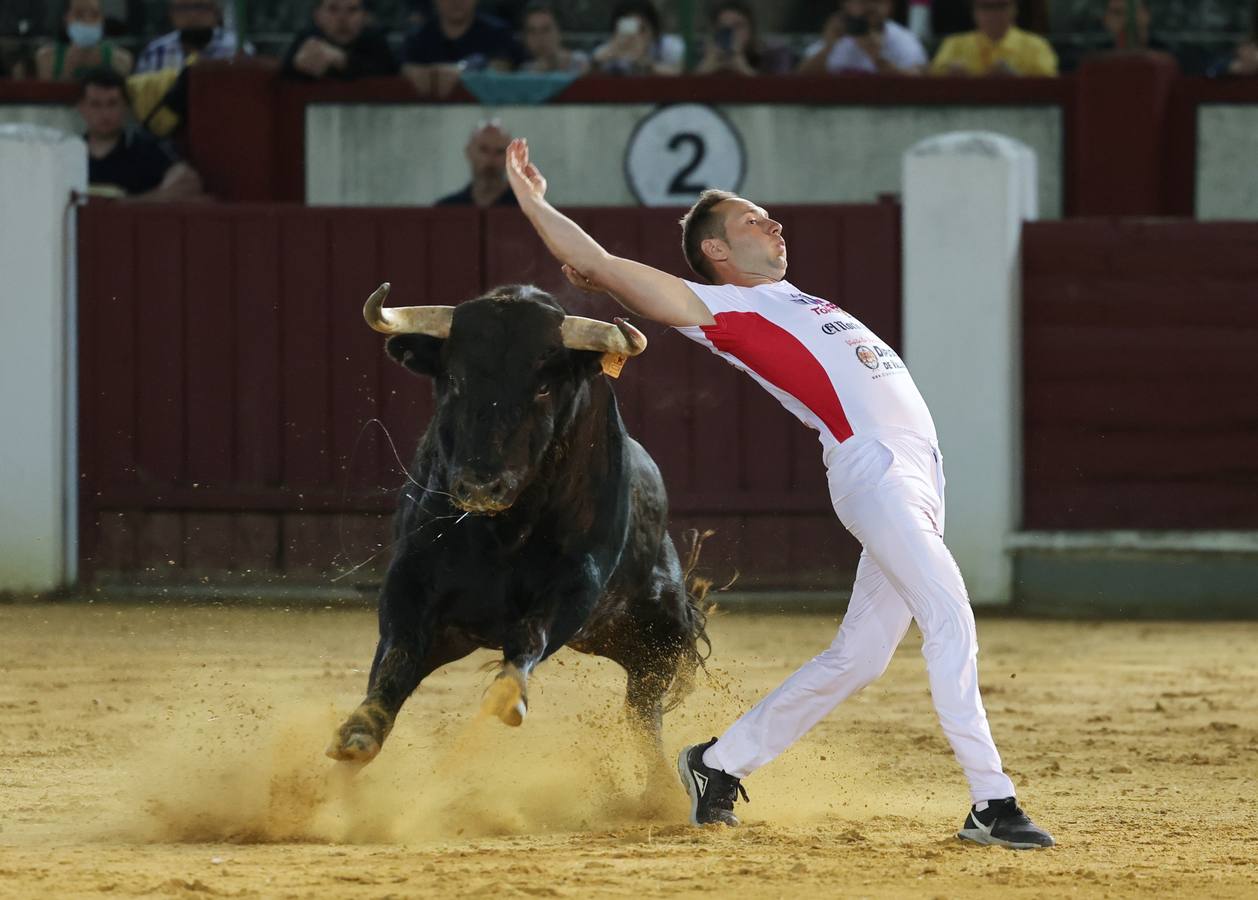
x,y
1140,372
229,387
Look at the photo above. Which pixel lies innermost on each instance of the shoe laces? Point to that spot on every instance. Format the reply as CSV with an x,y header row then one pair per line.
x,y
731,789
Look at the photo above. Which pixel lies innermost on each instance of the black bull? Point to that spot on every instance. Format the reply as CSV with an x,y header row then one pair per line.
x,y
531,520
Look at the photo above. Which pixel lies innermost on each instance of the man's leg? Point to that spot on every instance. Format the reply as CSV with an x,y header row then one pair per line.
x,y
873,627
895,523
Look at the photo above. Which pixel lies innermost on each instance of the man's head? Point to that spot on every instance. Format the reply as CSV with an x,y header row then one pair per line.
x,y
994,18
195,20
876,12
341,21
726,237
455,14
1115,19
103,103
643,12
735,18
542,36
487,151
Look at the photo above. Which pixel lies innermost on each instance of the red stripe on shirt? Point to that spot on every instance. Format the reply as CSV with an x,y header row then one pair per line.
x,y
779,358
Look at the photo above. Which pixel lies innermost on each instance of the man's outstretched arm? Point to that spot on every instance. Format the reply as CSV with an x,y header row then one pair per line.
x,y
641,289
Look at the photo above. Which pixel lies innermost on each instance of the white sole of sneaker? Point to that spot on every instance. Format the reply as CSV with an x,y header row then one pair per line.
x,y
982,837
688,782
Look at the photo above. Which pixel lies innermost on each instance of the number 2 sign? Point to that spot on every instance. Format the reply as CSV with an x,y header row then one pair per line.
x,y
678,151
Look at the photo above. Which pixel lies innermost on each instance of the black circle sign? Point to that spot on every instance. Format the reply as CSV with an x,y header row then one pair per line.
x,y
678,151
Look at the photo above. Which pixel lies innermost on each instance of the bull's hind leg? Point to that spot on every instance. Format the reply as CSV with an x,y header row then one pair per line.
x,y
397,671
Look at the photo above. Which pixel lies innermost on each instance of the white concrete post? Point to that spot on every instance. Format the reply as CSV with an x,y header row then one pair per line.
x,y
966,195
39,168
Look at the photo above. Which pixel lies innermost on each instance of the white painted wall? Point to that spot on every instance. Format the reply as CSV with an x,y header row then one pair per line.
x,y
1227,161
63,118
405,154
39,167
965,198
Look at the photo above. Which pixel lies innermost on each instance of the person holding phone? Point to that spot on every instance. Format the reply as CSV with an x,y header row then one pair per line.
x,y
734,45
862,37
637,46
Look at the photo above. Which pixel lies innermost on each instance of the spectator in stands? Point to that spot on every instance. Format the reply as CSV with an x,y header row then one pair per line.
x,y
543,40
996,47
1245,62
734,44
339,44
637,46
459,35
131,162
198,30
486,154
862,37
87,50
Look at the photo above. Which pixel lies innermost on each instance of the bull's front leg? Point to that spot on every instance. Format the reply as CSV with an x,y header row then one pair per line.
x,y
408,651
530,640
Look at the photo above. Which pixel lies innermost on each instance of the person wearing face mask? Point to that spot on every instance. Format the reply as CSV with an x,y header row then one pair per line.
x,y
85,49
198,32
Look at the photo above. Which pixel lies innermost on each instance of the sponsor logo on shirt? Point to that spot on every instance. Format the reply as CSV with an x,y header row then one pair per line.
x,y
879,358
867,356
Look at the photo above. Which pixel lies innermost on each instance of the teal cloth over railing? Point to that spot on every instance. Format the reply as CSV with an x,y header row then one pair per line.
x,y
516,88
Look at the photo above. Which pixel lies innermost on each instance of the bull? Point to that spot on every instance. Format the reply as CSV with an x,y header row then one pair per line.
x,y
530,520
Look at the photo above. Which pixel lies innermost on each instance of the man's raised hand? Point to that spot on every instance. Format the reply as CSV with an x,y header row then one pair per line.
x,y
526,181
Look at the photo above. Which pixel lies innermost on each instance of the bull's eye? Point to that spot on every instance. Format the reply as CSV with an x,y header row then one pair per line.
x,y
543,391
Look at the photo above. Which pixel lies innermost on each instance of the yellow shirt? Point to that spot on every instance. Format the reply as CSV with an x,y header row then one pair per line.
x,y
1025,53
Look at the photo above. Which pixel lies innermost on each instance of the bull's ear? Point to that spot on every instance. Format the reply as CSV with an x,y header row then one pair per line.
x,y
420,353
586,363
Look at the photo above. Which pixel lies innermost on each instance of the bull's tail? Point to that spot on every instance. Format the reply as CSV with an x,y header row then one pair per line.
x,y
697,608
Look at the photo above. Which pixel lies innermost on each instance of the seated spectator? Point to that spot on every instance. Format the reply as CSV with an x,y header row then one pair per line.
x,y
458,34
862,37
543,40
339,44
734,45
637,47
198,31
996,47
1245,62
127,160
486,154
86,50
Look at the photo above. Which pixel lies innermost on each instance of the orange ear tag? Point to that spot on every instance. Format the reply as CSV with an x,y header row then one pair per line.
x,y
613,363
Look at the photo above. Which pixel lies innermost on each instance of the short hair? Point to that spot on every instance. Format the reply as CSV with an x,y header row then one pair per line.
x,y
539,6
700,223
644,8
738,6
102,77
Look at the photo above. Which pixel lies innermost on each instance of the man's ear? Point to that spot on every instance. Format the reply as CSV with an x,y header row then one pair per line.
x,y
714,249
420,353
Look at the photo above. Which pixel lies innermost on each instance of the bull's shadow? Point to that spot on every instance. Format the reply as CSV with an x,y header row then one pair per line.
x,y
556,518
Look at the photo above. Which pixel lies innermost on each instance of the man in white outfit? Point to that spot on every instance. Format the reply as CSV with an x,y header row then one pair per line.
x,y
885,476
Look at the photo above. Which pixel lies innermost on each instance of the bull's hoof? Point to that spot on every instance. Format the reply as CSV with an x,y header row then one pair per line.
x,y
356,746
505,699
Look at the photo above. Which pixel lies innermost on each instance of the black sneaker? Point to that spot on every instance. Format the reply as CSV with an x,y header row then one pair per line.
x,y
712,792
1004,824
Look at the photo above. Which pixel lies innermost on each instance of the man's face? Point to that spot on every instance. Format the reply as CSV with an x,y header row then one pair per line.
x,y
739,27
876,11
754,241
341,20
193,14
85,11
455,12
994,17
541,35
487,153
104,111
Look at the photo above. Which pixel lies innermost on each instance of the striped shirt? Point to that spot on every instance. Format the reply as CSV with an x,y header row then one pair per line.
x,y
166,52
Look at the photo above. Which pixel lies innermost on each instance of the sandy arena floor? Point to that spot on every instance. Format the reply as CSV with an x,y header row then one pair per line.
x,y
174,751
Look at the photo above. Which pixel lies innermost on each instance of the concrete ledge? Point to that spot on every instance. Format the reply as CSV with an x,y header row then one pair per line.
x,y
1136,575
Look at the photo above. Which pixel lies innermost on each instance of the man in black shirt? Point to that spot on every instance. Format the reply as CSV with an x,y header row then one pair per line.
x,y
129,161
339,45
487,157
457,35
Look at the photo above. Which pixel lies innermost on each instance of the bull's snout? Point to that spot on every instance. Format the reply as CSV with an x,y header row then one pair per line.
x,y
483,495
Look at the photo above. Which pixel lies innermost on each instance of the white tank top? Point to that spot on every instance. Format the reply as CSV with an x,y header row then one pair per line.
x,y
820,362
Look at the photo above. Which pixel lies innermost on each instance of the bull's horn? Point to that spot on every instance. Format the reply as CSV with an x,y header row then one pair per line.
x,y
591,334
430,320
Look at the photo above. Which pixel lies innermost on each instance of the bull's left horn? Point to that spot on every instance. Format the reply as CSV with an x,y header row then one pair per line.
x,y
591,334
430,320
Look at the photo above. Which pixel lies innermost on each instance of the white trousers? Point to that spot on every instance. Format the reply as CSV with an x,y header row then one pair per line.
x,y
888,490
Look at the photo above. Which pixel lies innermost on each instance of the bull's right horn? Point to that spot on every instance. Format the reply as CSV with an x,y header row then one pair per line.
x,y
592,334
431,320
